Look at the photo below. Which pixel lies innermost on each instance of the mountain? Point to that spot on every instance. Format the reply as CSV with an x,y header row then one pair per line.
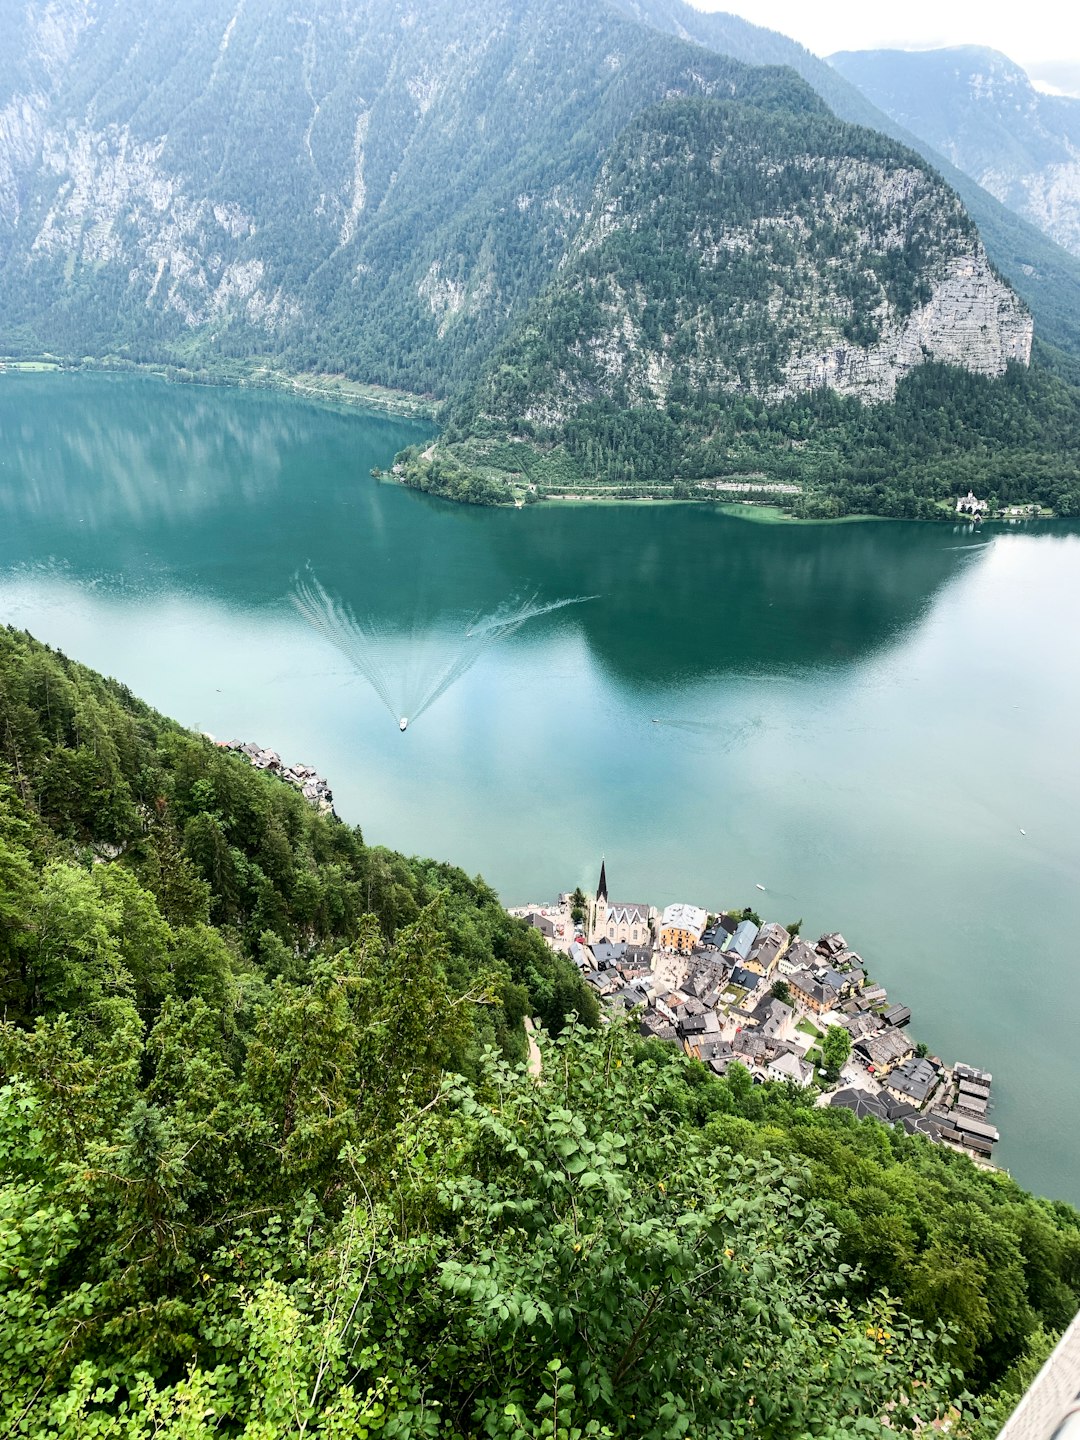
x,y
411,196
369,187
1044,274
729,251
273,1161
759,300
980,110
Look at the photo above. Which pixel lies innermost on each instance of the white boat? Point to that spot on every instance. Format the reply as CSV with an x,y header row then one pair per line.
x,y
403,723
760,887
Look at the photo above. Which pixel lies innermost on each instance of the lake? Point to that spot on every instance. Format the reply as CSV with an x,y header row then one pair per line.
x,y
861,717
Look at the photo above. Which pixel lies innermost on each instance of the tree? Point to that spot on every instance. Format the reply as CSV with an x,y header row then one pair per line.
x,y
781,990
835,1049
794,928
578,906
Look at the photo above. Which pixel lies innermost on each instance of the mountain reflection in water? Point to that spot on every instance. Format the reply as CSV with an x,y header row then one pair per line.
x,y
863,715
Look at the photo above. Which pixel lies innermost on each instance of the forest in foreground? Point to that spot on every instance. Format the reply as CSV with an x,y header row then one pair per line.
x,y
272,1161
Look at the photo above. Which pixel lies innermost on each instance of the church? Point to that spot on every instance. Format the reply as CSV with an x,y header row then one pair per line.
x,y
617,921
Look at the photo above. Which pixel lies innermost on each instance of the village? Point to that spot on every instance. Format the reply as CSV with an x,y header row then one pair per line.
x,y
312,786
731,989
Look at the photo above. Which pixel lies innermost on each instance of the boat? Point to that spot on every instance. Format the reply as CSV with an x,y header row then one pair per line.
x,y
403,723
759,887
1022,830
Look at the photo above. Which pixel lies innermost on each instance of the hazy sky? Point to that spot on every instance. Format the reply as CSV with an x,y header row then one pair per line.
x,y
1042,35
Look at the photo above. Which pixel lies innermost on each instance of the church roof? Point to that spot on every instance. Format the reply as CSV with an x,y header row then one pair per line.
x,y
601,889
625,912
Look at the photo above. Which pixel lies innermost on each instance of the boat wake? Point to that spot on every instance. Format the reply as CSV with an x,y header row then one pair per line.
x,y
410,678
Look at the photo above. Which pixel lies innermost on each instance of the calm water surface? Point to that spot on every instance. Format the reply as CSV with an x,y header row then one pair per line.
x,y
860,717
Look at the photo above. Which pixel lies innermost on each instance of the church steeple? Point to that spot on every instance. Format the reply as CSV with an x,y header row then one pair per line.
x,y
601,889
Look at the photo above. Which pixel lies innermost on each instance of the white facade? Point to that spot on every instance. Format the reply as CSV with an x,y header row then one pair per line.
x,y
684,917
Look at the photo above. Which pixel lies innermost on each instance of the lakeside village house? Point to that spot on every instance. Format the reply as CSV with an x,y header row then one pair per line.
x,y
312,786
969,505
706,982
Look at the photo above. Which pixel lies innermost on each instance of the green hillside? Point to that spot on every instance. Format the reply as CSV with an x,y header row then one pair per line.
x,y
373,190
1042,272
271,1163
734,311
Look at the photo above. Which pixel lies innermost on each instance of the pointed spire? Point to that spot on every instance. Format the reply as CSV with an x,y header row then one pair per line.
x,y
601,889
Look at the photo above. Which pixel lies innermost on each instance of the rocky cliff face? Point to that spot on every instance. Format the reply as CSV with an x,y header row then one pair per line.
x,y
1046,276
374,186
41,38
720,255
971,319
981,111
114,203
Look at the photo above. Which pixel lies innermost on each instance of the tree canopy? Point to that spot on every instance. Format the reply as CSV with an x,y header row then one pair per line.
x,y
273,1162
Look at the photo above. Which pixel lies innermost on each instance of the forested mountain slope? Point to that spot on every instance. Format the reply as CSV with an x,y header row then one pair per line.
x,y
979,108
1042,272
259,1176
727,250
370,187
744,294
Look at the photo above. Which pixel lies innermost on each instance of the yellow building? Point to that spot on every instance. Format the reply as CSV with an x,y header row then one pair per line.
x,y
681,927
769,947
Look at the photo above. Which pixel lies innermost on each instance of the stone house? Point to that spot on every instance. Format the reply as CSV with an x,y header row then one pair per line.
x,y
771,943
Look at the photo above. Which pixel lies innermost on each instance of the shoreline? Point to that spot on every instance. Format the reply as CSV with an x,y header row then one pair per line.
x,y
337,392
728,988
329,390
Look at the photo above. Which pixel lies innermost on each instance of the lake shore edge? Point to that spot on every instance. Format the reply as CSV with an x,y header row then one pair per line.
x,y
329,390
339,392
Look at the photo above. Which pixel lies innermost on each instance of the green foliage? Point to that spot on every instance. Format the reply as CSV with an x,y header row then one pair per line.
x,y
579,906
1015,438
272,1161
520,1263
216,871
835,1049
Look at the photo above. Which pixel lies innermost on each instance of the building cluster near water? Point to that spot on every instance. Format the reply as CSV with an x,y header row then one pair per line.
x,y
729,990
311,785
971,507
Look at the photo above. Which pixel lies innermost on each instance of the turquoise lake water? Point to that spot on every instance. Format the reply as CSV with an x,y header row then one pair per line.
x,y
861,717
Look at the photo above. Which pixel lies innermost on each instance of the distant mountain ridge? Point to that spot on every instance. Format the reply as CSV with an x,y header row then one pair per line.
x,y
981,110
449,199
371,189
368,187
